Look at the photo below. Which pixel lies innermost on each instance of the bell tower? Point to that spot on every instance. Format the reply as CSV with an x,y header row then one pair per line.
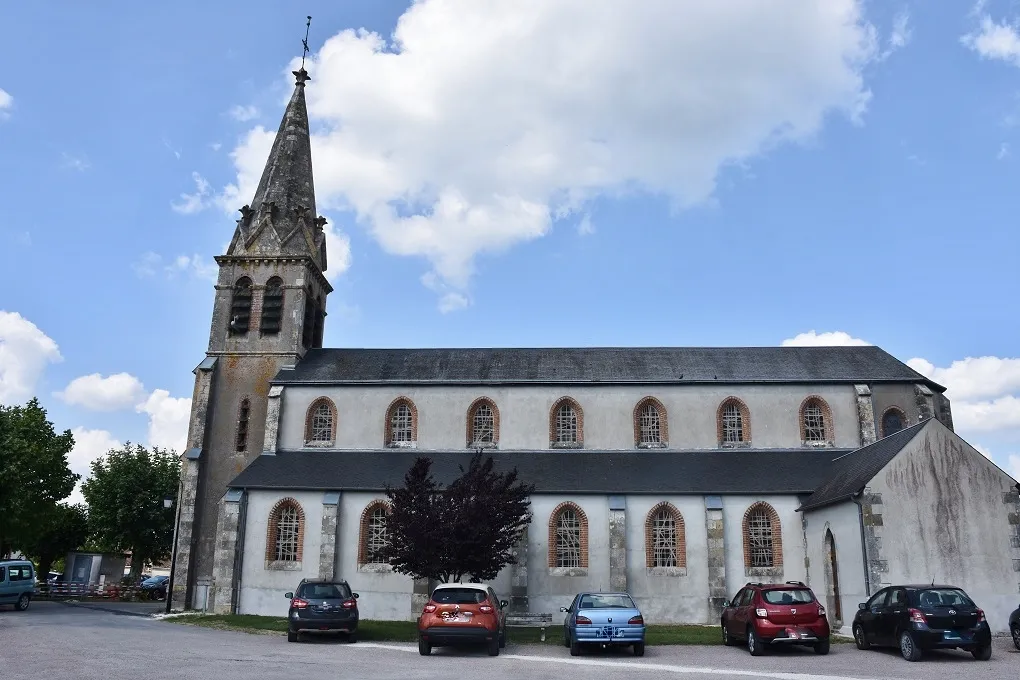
x,y
269,309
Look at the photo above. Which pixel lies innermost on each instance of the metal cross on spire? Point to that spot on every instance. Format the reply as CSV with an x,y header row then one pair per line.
x,y
304,43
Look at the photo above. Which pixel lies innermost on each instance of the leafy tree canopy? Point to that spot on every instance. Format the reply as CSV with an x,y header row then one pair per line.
x,y
125,494
63,529
34,473
468,529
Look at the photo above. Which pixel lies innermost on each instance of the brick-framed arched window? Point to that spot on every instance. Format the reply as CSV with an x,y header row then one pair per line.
x,y
271,315
243,416
566,424
285,536
815,421
665,537
651,426
568,537
240,307
320,423
733,423
373,535
763,537
482,424
401,423
893,420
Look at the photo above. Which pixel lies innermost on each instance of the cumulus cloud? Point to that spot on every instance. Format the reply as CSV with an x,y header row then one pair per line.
x,y
991,39
196,202
480,125
25,351
150,264
96,393
826,339
6,102
243,113
973,377
88,446
168,419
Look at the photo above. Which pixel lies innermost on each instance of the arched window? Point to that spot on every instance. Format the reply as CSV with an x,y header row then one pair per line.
x,y
374,534
272,307
285,537
401,423
815,421
308,321
243,414
650,426
320,425
734,423
568,537
665,537
320,321
763,538
893,420
240,307
566,424
482,424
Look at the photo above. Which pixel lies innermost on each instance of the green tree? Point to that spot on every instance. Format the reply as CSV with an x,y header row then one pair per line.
x,y
125,494
62,530
34,473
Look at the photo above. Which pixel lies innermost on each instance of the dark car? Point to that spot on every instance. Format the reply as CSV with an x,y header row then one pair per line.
x,y
763,614
1014,627
322,606
919,618
155,587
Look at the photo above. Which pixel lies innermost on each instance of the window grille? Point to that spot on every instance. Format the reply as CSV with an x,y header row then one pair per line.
x,y
240,307
651,428
287,529
401,424
241,443
733,424
568,539
483,425
566,424
377,539
759,532
321,426
664,539
272,307
814,423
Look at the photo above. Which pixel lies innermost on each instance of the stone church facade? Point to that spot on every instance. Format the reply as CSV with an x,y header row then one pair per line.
x,y
677,474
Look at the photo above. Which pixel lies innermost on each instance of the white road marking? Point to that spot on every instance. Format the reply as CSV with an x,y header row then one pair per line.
x,y
639,665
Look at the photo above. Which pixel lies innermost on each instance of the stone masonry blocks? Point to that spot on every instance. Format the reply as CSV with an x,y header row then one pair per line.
x,y
519,575
716,527
865,414
222,596
618,550
327,550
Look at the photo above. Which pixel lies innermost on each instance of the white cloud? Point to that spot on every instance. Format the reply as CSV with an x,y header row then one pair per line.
x,y
243,113
1003,151
96,393
1013,467
482,124
149,264
973,377
6,102
338,252
827,339
168,419
993,39
196,202
585,227
1002,413
88,446
25,351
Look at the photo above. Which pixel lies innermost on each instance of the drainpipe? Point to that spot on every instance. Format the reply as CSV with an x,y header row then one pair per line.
x,y
856,498
235,585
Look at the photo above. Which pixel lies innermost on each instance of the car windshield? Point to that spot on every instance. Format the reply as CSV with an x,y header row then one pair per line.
x,y
153,580
791,596
458,596
600,601
325,591
944,597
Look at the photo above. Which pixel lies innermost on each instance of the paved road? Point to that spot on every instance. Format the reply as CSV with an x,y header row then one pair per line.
x,y
56,640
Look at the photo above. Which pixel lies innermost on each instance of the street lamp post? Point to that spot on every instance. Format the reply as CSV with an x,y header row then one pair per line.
x,y
168,503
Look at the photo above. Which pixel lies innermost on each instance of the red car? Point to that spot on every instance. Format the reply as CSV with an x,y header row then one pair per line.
x,y
763,614
462,614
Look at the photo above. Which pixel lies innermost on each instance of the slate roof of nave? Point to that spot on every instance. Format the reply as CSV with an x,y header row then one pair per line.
x,y
605,365
730,471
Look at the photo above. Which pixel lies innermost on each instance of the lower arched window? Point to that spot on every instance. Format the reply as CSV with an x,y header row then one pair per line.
x,y
763,539
374,534
285,537
568,537
665,538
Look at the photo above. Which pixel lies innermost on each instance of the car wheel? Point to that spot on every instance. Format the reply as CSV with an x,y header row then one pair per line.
x,y
822,647
352,637
982,653
502,639
639,649
754,644
424,648
292,636
908,649
494,646
566,638
1016,636
575,648
862,642
23,602
726,639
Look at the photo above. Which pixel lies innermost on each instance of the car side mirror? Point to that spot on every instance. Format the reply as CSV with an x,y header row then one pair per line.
x,y
862,606
726,603
289,596
503,604
356,596
564,609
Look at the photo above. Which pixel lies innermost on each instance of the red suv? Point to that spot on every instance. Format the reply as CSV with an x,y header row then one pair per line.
x,y
462,614
764,614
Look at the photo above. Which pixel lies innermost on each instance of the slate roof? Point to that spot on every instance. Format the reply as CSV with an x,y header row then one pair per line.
x,y
600,365
741,471
852,472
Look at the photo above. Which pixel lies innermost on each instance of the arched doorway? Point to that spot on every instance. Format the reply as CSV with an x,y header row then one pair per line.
x,y
834,605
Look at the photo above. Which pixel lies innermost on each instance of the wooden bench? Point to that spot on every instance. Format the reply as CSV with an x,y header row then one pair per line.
x,y
529,620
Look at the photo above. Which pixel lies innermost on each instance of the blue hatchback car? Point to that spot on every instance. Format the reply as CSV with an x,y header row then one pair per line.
x,y
603,619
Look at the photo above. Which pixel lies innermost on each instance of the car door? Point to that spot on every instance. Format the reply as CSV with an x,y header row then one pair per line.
x,y
5,591
730,612
743,613
500,613
892,615
568,620
869,617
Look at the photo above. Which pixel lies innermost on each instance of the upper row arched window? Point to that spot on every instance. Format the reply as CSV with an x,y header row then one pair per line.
x,y
893,420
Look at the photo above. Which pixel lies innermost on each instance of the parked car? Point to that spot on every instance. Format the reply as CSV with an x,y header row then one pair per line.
x,y
155,587
919,618
604,619
462,614
17,583
322,606
763,614
1014,627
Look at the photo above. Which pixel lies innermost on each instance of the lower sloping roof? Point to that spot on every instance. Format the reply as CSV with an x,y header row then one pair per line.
x,y
742,471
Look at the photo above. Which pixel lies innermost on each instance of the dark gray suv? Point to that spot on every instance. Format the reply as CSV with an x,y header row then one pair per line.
x,y
322,606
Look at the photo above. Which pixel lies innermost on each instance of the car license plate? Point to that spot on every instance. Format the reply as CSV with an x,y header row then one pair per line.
x,y
952,635
608,632
463,617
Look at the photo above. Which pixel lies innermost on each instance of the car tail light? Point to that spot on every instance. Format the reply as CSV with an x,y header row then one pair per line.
x,y
761,613
981,615
485,609
298,603
429,608
917,617
637,620
821,610
349,604
581,620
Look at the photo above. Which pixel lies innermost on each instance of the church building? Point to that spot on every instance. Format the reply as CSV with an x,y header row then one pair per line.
x,y
677,474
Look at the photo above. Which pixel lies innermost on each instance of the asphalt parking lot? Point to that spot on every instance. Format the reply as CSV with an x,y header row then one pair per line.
x,y
58,640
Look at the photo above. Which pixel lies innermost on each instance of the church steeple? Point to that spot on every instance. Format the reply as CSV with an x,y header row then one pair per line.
x,y
281,219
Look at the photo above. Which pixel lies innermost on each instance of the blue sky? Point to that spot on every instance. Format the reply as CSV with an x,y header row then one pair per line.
x,y
533,173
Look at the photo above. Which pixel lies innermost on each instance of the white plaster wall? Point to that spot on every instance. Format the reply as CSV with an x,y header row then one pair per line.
x,y
843,521
943,519
734,508
608,414
669,598
262,590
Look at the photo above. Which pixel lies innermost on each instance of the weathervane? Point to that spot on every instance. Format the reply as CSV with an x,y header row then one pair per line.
x,y
304,42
